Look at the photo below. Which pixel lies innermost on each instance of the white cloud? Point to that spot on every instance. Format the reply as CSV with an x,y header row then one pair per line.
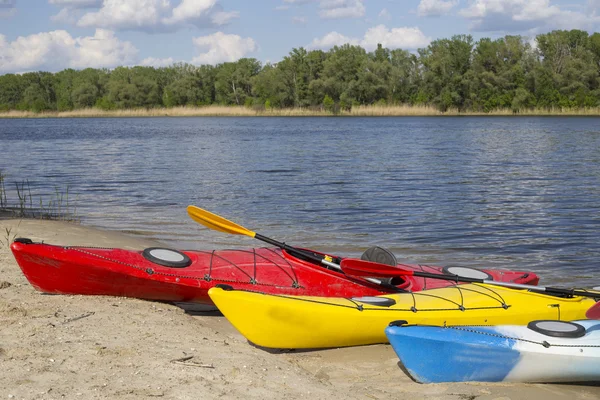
x,y
521,15
433,8
220,47
331,39
395,38
519,10
65,16
71,9
385,14
127,14
341,9
156,15
56,50
222,18
403,38
157,62
190,10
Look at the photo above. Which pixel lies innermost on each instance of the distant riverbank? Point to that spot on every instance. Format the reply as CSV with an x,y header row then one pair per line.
x,y
233,111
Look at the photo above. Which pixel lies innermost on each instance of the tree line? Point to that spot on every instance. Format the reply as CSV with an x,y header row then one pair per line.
x,y
558,69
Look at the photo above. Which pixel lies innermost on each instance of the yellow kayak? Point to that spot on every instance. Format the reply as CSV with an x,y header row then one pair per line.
x,y
316,322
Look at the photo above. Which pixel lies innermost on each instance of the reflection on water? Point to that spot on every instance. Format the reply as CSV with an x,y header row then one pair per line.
x,y
500,192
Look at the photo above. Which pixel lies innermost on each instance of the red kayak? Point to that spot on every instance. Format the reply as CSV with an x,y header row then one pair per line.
x,y
171,275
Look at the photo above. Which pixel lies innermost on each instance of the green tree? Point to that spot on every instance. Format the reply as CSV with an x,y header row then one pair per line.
x,y
11,91
328,103
85,95
340,72
34,98
568,75
268,87
446,63
233,81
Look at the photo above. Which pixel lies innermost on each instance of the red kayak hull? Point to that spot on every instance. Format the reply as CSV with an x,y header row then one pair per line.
x,y
119,272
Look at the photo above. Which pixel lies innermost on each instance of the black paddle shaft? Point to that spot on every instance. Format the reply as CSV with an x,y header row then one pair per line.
x,y
309,256
549,290
294,251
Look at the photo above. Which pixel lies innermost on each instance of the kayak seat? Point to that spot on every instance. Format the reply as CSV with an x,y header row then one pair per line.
x,y
379,255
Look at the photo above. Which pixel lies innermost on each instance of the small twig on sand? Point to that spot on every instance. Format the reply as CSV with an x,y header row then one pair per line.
x,y
186,361
79,317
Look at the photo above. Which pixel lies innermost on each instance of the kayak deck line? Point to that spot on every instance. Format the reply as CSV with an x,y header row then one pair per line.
x,y
207,277
544,343
360,306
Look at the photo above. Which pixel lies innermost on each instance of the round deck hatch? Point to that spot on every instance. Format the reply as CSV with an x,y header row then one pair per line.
x,y
167,257
557,328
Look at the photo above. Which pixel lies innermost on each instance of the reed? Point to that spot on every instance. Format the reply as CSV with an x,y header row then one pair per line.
x,y
9,235
401,110
3,202
396,110
58,207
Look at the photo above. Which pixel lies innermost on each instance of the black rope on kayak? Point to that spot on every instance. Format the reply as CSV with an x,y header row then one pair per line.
x,y
254,262
414,299
461,305
294,278
360,307
214,254
424,279
435,297
280,255
543,343
253,278
500,299
210,264
462,299
87,247
151,271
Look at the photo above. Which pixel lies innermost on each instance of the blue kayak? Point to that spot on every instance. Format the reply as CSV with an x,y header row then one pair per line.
x,y
542,351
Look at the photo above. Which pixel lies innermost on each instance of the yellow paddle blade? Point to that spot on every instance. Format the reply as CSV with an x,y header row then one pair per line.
x,y
216,222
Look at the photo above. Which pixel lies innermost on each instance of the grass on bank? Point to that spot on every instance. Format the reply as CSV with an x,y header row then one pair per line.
x,y
58,207
240,111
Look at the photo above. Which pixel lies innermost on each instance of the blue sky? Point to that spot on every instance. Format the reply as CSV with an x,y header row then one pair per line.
x,y
55,34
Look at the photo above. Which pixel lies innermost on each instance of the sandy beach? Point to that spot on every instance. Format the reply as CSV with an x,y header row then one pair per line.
x,y
88,347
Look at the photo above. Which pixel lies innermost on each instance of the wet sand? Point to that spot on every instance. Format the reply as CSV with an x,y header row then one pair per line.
x,y
98,347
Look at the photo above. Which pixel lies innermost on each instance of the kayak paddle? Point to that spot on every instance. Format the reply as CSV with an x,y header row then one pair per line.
x,y
368,268
593,312
221,224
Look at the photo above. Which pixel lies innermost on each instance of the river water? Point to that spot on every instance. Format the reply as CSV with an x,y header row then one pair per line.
x,y
512,192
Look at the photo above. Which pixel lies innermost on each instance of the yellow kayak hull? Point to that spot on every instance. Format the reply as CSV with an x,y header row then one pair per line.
x,y
297,322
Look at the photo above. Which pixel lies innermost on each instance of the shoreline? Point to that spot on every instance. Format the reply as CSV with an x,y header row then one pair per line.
x,y
239,111
101,347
